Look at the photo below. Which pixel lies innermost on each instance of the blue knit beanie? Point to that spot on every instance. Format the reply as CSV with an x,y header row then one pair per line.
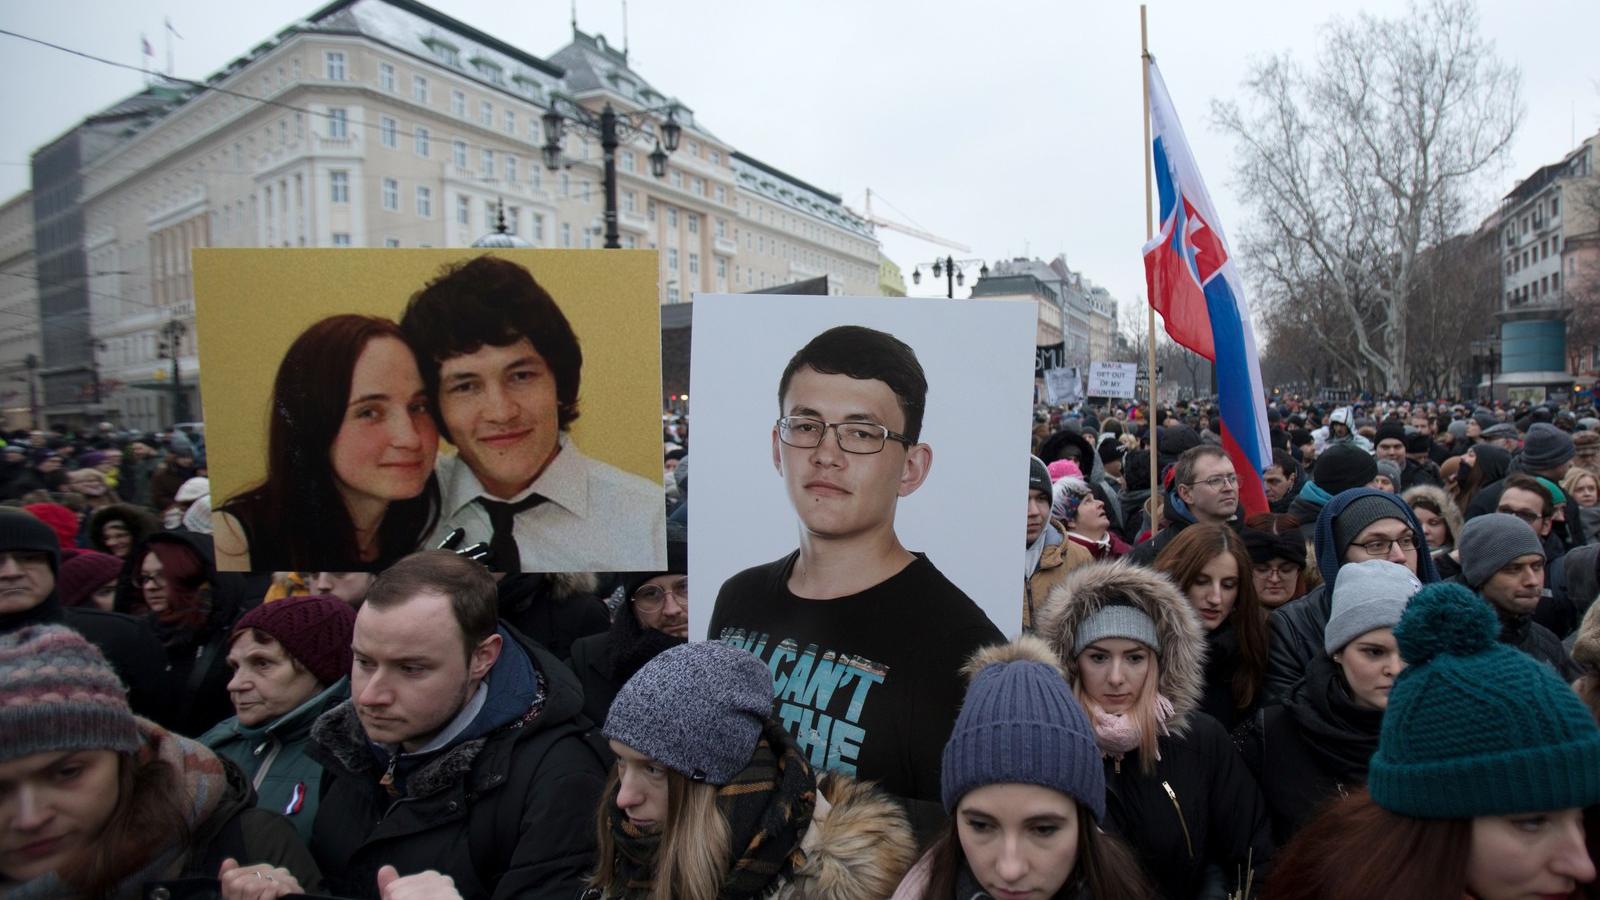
x,y
1020,724
1475,727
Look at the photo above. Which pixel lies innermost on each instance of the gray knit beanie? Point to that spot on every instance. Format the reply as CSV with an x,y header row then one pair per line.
x,y
1489,542
58,693
1368,595
1116,620
697,708
1546,447
1355,518
1020,724
1389,470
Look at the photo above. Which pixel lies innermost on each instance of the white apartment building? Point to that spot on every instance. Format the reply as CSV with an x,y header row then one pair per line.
x,y
384,123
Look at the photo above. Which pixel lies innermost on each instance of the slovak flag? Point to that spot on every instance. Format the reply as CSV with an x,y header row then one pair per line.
x,y
1195,286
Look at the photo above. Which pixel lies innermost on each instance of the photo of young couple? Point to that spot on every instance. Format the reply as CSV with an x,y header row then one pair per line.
x,y
443,414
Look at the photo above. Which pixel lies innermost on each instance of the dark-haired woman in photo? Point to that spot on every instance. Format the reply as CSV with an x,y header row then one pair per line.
x,y
1211,568
350,454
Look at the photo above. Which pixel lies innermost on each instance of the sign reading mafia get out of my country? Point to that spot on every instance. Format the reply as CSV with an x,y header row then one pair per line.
x,y
365,404
1112,379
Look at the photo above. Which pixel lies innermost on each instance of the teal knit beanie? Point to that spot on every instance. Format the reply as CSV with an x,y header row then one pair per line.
x,y
1475,727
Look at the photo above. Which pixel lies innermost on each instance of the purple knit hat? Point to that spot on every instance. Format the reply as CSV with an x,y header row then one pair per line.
x,y
315,630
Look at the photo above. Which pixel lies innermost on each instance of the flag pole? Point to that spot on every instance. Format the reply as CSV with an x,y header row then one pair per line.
x,y
1153,506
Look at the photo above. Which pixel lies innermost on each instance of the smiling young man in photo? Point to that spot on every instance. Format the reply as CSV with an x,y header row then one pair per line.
x,y
865,638
502,367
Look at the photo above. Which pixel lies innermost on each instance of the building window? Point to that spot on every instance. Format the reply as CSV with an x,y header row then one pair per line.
x,y
386,77
464,210
1555,207
538,228
1555,281
716,157
672,217
339,184
699,187
566,234
486,113
650,209
419,89
458,154
722,195
335,60
422,142
722,268
672,293
488,163
425,202
512,225
628,243
341,239
694,264
566,185
511,122
391,194
391,242
627,160
677,178
694,223
535,177
387,131
458,104
629,202
722,229
338,124
511,168
672,259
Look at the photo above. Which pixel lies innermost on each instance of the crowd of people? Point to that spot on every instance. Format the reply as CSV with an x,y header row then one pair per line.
x,y
1386,684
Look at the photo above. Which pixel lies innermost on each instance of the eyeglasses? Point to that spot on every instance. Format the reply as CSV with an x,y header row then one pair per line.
x,y
151,578
864,438
1218,482
650,597
1526,515
1380,546
1287,572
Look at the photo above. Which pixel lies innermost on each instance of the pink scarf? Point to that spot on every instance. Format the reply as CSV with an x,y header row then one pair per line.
x,y
1118,733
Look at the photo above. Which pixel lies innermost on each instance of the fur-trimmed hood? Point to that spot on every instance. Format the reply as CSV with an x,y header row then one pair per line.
x,y
1447,507
1183,645
858,847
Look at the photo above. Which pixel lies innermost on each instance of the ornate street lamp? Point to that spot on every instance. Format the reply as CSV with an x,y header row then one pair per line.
x,y
612,128
952,270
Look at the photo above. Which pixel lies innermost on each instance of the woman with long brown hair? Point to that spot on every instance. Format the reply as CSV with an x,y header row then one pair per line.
x,y
1176,790
97,803
350,455
712,798
1485,783
1210,565
1024,786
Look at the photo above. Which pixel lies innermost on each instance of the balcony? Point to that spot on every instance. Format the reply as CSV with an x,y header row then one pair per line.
x,y
725,246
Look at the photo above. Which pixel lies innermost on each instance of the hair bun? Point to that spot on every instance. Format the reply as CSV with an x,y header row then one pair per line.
x,y
1445,619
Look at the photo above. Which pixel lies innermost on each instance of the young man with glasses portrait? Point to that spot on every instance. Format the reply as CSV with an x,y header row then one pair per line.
x,y
1205,489
865,638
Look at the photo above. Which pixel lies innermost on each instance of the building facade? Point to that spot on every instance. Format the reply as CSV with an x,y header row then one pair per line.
x,y
20,348
1548,245
1030,288
380,123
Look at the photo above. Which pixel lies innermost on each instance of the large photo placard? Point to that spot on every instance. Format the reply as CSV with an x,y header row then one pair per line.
x,y
363,404
968,513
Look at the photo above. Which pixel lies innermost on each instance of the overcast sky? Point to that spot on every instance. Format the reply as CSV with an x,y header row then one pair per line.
x,y
1012,127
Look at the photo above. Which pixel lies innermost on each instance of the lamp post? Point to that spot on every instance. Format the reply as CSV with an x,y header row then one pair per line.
x,y
171,346
612,128
950,269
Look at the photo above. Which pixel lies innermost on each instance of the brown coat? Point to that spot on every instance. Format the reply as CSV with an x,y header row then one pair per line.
x,y
1054,564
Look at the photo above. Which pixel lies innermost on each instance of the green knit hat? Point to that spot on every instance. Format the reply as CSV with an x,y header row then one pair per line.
x,y
1475,727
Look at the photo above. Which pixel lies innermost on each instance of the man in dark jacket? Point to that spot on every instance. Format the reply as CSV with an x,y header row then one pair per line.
x,y
1547,451
30,560
462,749
653,617
1502,559
1355,526
1205,489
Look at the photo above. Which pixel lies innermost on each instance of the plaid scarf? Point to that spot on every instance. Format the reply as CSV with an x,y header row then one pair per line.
x,y
768,806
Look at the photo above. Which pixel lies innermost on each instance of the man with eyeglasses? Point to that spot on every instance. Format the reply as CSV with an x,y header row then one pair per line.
x,y
653,617
865,638
1205,489
1502,559
1356,525
30,561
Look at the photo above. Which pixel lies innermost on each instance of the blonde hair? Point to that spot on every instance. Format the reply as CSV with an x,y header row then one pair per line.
x,y
1569,482
696,847
1143,712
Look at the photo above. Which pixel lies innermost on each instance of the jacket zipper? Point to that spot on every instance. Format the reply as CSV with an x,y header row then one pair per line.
x,y
1173,796
266,764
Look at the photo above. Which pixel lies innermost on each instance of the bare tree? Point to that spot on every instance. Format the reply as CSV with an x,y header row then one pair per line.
x,y
1355,167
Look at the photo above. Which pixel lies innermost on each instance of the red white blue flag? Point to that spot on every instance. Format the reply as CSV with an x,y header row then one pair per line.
x,y
1195,286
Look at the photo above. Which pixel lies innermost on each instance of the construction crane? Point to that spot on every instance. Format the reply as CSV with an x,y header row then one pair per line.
x,y
917,233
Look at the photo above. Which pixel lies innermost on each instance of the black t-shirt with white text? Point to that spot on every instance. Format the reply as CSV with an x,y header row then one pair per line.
x,y
869,684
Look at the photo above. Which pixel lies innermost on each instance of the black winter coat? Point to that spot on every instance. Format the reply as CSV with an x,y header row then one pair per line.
x,y
1222,661
1316,746
1540,643
507,815
554,609
604,662
128,644
1199,808
1295,638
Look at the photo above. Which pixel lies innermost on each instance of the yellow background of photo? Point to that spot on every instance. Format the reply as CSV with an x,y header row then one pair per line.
x,y
250,305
